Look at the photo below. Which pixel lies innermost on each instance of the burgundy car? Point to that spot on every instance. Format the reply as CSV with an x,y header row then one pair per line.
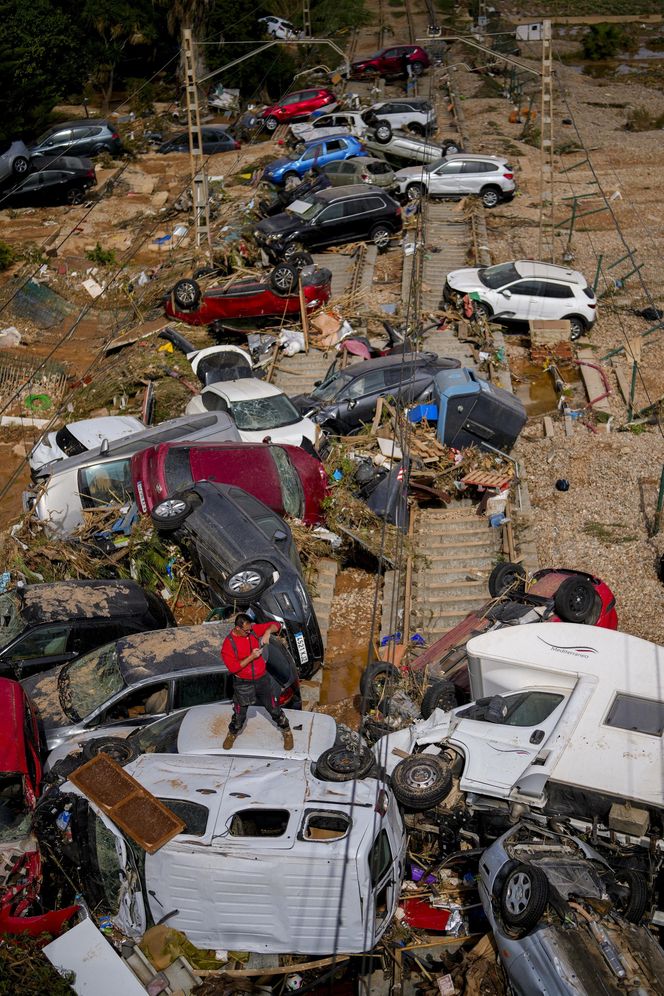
x,y
250,299
287,479
390,62
298,104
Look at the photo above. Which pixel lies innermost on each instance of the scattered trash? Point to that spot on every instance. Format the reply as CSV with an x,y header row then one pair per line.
x,y
92,287
9,337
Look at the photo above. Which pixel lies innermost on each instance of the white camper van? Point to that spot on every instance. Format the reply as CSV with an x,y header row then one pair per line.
x,y
567,719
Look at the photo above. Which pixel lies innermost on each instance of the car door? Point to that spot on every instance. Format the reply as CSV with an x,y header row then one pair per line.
x,y
445,179
28,193
310,158
521,300
339,173
61,141
556,299
336,149
356,212
472,177
357,402
329,228
202,689
390,63
53,186
40,648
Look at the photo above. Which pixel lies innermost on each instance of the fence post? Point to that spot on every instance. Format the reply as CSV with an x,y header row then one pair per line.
x,y
660,504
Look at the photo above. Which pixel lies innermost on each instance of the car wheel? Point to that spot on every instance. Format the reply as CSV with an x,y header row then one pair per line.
x,y
450,148
271,124
187,294
283,278
247,581
300,259
169,514
121,750
524,896
377,681
577,327
439,695
421,781
292,180
417,128
383,132
342,763
415,192
490,197
506,577
482,310
20,165
417,68
75,196
381,236
634,906
291,250
575,600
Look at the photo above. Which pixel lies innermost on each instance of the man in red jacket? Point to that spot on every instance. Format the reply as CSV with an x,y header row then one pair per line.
x,y
244,653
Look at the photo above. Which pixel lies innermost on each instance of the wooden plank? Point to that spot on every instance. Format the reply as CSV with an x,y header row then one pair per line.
x,y
248,973
592,380
548,427
623,378
304,316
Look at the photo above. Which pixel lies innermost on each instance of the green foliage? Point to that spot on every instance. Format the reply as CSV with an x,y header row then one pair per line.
x,y
330,16
7,255
102,257
603,41
25,969
641,119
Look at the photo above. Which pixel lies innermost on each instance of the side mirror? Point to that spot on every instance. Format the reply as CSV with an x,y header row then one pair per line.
x,y
506,293
104,448
280,536
352,403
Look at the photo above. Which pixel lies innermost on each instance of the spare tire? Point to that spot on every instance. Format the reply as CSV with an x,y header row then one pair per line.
x,y
383,131
170,513
450,147
575,600
421,781
120,749
283,279
247,581
342,763
376,680
633,908
439,695
524,897
506,577
187,294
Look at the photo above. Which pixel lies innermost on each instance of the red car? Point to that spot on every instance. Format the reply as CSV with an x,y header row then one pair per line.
x,y
298,104
390,62
287,479
250,299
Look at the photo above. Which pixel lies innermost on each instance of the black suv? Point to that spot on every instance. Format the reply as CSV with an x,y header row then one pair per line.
x,y
42,625
59,180
331,217
245,554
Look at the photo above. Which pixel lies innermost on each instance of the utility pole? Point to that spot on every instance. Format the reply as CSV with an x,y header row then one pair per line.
x,y
546,210
306,19
199,183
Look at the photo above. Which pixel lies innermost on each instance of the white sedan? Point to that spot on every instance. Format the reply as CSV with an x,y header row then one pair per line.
x,y
259,410
77,437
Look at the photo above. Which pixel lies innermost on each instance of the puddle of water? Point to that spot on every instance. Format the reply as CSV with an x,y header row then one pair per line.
x,y
535,387
348,639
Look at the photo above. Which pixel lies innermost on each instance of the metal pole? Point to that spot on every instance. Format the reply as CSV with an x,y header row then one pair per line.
x,y
598,270
546,209
660,505
199,186
632,392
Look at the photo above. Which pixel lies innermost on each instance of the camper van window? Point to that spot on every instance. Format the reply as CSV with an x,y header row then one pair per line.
x,y
193,815
325,826
380,858
259,823
628,712
523,709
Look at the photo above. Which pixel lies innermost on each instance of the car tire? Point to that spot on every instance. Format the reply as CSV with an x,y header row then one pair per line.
x,y
415,192
524,897
291,249
264,206
439,695
450,147
490,197
121,750
376,679
506,577
291,181
271,124
247,581
342,763
283,279
417,128
300,259
482,310
380,236
20,166
75,196
417,68
575,600
187,294
577,327
383,131
421,781
169,514
633,909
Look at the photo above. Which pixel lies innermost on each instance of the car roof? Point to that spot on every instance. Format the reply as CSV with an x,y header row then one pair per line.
x,y
475,157
326,138
143,656
533,268
88,430
406,101
85,122
348,190
12,742
62,601
244,389
389,361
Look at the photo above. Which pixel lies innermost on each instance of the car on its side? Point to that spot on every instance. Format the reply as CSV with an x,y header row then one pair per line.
x,y
359,212
137,679
78,437
289,170
279,28
298,104
259,409
42,625
83,137
367,170
391,62
101,477
403,146
346,399
416,114
63,180
245,554
288,479
278,198
523,290
490,177
215,139
14,159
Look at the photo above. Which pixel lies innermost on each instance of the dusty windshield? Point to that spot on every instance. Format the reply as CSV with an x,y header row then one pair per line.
x,y
329,389
11,623
88,682
264,413
291,489
12,806
497,276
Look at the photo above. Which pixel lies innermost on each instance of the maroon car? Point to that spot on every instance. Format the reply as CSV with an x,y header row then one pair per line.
x,y
392,62
298,104
250,299
287,479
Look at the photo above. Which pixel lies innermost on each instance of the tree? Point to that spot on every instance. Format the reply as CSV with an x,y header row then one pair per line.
x,y
602,41
115,25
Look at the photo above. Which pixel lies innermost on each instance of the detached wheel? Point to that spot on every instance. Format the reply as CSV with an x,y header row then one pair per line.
x,y
169,514
634,907
575,600
246,582
415,192
342,764
283,278
301,259
490,197
121,750
187,294
524,897
439,695
271,124
421,781
377,681
450,148
383,132
506,577
20,166
380,236
75,196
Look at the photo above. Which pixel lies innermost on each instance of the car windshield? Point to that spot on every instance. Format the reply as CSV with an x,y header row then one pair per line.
x,y
264,413
107,483
68,442
498,276
88,682
305,209
11,623
160,737
291,489
329,389
42,138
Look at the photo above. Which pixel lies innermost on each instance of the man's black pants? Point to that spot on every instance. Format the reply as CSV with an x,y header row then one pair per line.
x,y
256,692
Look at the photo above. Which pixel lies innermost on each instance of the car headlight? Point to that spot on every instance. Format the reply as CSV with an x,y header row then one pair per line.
x,y
273,237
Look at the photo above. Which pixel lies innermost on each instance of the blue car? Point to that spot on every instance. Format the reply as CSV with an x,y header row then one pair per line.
x,y
317,153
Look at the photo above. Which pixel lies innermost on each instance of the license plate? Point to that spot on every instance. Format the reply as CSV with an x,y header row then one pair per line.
x,y
301,648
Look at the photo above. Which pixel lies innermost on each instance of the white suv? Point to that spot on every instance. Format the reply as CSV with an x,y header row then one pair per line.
x,y
279,28
416,114
491,177
525,290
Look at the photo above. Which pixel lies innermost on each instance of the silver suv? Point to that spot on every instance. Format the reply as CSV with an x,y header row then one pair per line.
x,y
416,114
491,177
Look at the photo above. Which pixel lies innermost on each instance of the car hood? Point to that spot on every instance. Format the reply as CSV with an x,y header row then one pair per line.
x,y
466,279
407,172
43,690
277,164
279,224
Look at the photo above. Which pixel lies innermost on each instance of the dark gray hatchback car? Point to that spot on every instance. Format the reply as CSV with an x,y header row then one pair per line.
x,y
84,137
